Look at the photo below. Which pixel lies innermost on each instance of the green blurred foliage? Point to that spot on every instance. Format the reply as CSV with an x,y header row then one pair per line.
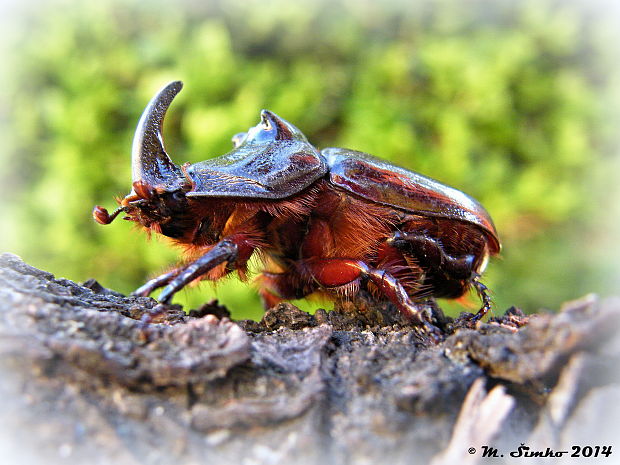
x,y
509,101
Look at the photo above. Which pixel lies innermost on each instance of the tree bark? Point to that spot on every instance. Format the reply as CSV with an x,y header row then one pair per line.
x,y
91,376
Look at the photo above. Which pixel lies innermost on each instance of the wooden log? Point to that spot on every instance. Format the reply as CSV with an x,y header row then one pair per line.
x,y
91,376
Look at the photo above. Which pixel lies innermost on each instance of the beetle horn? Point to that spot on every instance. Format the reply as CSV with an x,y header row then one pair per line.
x,y
238,139
150,164
280,128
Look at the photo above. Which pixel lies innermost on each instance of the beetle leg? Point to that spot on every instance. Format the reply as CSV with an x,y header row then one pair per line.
x,y
268,298
460,270
482,291
333,273
276,287
223,251
270,288
430,252
156,283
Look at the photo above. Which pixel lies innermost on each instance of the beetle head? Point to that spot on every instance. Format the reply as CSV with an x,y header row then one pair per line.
x,y
158,185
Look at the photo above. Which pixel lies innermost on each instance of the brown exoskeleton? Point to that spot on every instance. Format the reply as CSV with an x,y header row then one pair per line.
x,y
332,221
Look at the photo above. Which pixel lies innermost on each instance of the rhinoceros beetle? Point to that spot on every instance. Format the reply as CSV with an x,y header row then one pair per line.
x,y
330,221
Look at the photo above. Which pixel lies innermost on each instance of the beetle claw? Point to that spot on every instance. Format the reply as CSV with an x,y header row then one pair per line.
x,y
435,334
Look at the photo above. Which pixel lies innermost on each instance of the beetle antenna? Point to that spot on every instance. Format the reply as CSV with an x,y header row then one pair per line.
x,y
101,215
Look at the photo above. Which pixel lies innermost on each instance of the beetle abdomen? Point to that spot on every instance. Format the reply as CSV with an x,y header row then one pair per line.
x,y
379,181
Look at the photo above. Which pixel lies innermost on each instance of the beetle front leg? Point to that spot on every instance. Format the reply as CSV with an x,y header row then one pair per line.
x,y
156,283
333,273
223,251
